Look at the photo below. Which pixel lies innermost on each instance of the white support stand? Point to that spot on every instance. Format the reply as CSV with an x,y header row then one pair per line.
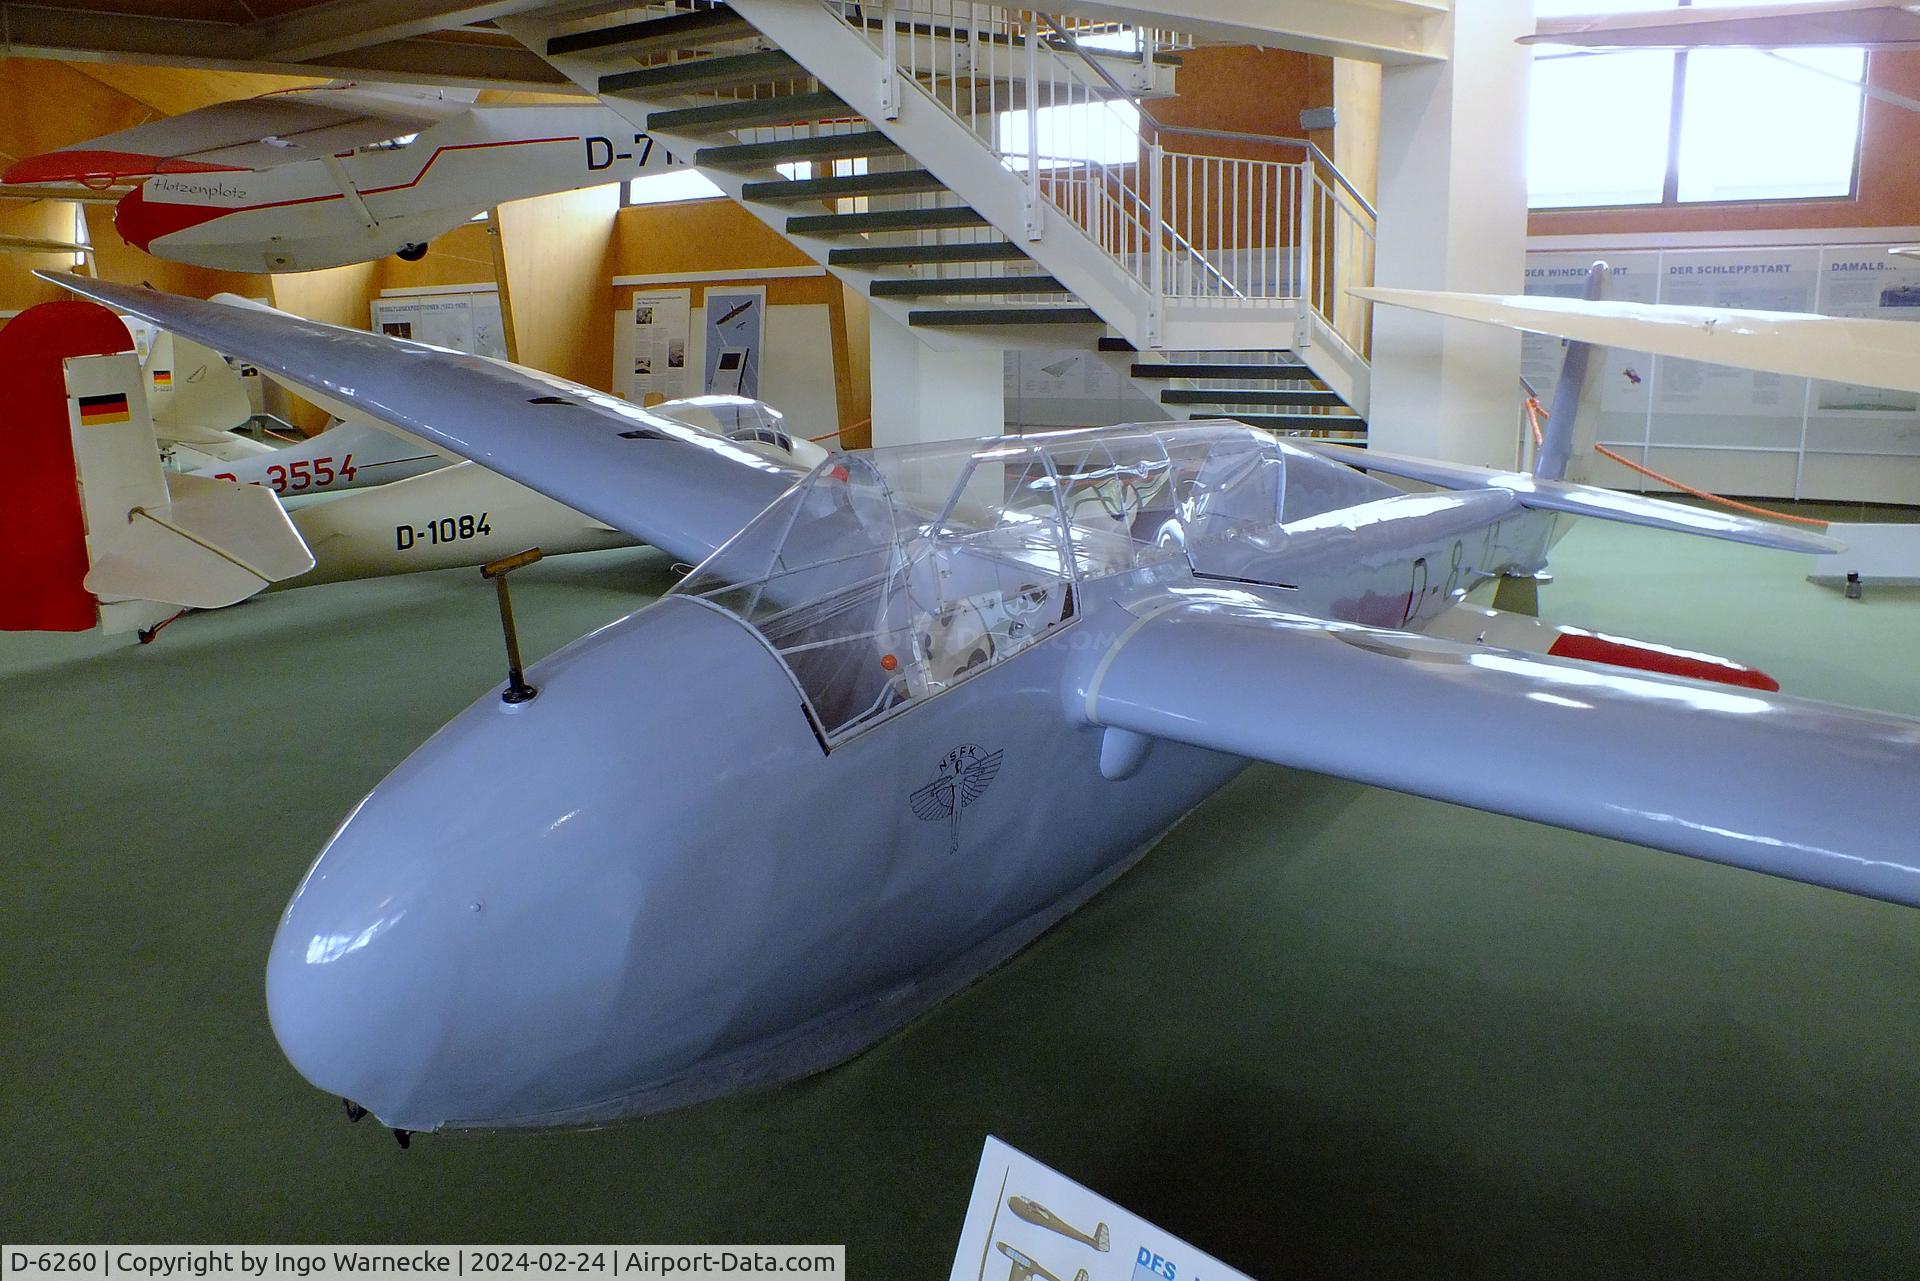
x,y
1453,215
920,394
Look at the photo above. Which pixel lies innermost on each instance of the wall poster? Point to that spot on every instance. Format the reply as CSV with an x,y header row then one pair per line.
x,y
468,320
736,335
661,326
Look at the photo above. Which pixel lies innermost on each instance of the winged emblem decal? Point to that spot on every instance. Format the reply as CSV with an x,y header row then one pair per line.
x,y
965,774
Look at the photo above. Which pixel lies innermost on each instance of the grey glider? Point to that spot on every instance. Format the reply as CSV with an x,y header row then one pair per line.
x,y
925,702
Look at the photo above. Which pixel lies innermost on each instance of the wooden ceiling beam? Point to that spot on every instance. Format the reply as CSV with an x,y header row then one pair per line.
x,y
340,25
44,31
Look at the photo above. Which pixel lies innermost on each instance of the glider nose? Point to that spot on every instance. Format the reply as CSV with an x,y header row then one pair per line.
x,y
449,944
133,218
516,925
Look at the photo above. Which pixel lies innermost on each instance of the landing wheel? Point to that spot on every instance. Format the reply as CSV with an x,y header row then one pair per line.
x,y
354,1110
404,1138
411,253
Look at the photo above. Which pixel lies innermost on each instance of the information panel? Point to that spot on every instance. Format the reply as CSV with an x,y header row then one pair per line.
x,y
1031,1223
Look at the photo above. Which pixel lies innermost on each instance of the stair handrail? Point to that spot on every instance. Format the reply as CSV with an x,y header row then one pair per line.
x,y
1315,280
1231,135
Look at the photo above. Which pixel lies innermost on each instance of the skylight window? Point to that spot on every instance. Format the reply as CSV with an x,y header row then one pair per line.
x,y
1645,127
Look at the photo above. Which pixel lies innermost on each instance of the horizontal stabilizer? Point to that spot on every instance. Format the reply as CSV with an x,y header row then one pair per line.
x,y
1873,353
1803,790
214,545
1542,494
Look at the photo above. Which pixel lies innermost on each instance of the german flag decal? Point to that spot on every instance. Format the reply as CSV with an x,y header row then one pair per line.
x,y
99,411
163,378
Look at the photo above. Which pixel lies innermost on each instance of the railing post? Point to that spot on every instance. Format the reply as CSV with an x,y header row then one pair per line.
x,y
1156,248
889,64
1304,284
1034,229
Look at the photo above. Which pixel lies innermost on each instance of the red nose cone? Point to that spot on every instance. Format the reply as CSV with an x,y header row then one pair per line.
x,y
132,221
141,221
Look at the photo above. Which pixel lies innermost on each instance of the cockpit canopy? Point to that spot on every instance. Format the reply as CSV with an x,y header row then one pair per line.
x,y
888,575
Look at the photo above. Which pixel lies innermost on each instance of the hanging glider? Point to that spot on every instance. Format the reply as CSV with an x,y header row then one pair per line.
x,y
1873,353
40,245
339,174
1873,24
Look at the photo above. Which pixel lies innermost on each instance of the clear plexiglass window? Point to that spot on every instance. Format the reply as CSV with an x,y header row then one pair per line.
x,y
888,575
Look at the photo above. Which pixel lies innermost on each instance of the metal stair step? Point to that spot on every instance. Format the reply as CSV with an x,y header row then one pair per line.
x,y
1005,316
1301,422
788,109
1111,343
826,146
956,286
941,31
704,73
898,182
681,29
914,255
1172,369
1248,396
884,220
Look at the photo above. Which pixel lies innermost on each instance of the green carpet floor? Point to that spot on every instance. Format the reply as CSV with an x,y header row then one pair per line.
x,y
1321,1030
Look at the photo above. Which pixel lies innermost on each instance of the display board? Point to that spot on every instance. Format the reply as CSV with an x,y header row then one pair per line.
x,y
1071,387
462,320
1028,1222
660,324
735,339
793,369
1738,431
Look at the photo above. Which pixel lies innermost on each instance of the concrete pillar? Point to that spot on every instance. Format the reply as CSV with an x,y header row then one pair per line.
x,y
921,395
1453,215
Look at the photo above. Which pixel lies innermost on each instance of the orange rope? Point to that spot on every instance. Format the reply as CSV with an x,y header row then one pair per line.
x,y
1701,493
1535,414
864,422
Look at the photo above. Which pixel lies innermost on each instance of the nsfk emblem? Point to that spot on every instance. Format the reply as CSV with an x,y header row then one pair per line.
x,y
965,774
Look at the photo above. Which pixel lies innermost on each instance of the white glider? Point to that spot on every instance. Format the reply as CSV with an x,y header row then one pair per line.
x,y
340,174
1834,23
1872,353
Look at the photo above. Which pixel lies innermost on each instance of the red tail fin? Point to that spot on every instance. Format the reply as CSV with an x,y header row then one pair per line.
x,y
40,521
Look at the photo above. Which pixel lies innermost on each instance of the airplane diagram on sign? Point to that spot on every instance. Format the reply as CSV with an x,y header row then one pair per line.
x,y
339,174
698,886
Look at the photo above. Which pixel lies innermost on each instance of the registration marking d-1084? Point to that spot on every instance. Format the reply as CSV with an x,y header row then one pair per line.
x,y
446,529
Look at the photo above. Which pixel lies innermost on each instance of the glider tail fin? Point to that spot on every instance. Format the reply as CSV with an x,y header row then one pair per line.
x,y
1573,422
109,539
41,524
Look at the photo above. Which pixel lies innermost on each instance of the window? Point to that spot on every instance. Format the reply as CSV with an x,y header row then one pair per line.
x,y
1101,133
1647,127
675,184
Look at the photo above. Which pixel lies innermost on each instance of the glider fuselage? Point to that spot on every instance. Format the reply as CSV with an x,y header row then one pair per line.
x,y
657,885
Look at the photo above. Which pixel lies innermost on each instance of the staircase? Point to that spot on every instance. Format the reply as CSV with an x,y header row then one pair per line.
x,y
985,176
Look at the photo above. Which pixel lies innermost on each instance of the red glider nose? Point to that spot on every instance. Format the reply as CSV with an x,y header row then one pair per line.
x,y
133,219
141,221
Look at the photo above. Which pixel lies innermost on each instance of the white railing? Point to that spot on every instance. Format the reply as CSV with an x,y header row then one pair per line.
x,y
1195,216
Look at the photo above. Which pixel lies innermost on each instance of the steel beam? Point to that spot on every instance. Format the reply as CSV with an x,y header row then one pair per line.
x,y
1387,31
